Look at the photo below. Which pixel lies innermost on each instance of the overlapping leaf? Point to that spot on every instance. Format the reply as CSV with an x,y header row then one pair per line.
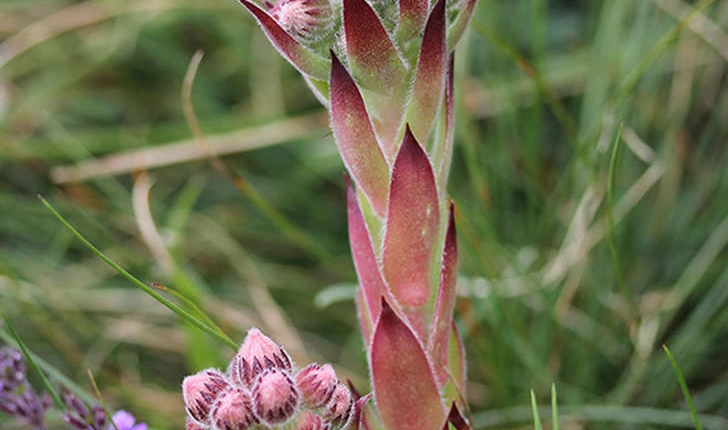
x,y
404,388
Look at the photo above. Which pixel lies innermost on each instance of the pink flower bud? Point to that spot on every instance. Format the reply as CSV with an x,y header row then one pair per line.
x,y
307,420
275,398
256,354
233,411
303,19
201,390
341,406
316,384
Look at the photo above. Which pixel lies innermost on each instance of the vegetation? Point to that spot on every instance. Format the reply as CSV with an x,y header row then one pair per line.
x,y
590,181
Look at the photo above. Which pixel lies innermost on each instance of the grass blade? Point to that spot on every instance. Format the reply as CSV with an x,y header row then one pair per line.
x,y
534,410
131,278
684,388
101,399
616,151
554,409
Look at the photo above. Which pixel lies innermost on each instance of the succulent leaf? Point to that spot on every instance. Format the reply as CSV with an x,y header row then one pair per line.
x,y
439,344
455,418
442,151
355,138
372,284
302,58
458,366
430,75
404,387
413,218
374,60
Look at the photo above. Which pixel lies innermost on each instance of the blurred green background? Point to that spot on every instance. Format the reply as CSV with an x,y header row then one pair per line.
x,y
92,117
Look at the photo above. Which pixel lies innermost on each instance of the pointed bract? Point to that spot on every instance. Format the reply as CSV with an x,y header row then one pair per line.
x,y
358,419
412,221
404,387
373,58
430,75
456,419
355,138
302,58
444,156
365,261
442,320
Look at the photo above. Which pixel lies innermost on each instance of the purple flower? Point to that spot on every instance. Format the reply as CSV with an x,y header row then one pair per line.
x,y
17,398
126,421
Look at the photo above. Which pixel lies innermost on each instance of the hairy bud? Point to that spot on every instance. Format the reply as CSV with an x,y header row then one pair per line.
x,y
275,398
201,390
258,353
316,384
341,406
233,411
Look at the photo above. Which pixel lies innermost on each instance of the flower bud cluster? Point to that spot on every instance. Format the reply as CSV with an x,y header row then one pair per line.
x,y
262,390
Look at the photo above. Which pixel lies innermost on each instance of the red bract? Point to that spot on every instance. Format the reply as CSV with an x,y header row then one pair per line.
x,y
413,219
404,389
430,76
356,139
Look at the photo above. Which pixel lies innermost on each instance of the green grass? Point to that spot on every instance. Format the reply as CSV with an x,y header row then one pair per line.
x,y
578,261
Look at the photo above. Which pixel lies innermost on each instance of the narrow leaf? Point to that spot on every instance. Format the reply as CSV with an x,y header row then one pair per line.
x,y
684,388
185,315
442,152
412,222
373,57
534,411
356,140
100,398
439,344
302,58
554,408
430,76
404,387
